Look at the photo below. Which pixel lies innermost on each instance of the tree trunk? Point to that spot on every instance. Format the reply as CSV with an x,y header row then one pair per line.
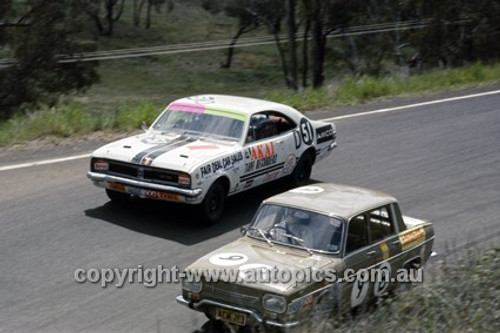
x,y
230,50
319,42
282,57
148,14
109,4
292,44
138,12
305,51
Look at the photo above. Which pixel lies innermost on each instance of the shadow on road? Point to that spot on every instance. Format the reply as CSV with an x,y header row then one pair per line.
x,y
180,223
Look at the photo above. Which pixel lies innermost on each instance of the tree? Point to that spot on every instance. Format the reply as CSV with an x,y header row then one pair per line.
x,y
42,36
111,14
255,13
459,32
248,20
292,44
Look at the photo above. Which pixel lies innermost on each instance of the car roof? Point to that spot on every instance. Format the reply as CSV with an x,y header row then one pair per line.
x,y
332,199
245,105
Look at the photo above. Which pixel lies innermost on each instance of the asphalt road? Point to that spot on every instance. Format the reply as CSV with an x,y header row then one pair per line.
x,y
442,161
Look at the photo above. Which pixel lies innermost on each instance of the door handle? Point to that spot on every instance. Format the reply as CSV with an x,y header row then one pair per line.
x,y
280,141
370,253
396,242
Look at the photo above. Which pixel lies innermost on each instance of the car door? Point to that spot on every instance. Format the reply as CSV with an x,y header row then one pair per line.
x,y
383,235
359,255
267,148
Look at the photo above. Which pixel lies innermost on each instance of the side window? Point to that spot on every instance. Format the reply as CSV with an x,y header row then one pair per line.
x,y
380,224
357,236
268,124
283,123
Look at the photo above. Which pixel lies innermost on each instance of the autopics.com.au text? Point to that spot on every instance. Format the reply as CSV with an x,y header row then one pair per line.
x,y
151,277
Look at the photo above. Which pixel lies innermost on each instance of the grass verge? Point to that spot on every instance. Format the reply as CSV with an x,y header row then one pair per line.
x,y
70,117
463,297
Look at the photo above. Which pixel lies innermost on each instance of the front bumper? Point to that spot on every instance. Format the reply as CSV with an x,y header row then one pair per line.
x,y
206,303
134,187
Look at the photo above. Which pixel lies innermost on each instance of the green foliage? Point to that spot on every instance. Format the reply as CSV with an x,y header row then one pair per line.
x,y
360,90
37,75
130,116
61,120
463,296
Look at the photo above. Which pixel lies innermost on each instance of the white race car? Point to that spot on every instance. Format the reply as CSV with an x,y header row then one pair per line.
x,y
204,148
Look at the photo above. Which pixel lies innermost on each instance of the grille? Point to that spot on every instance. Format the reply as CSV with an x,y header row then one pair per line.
x,y
143,173
235,297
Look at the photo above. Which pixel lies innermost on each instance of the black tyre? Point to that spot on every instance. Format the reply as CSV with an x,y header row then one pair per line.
x,y
303,169
118,197
212,206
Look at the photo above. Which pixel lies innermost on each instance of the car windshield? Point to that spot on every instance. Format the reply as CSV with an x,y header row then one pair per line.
x,y
297,227
202,124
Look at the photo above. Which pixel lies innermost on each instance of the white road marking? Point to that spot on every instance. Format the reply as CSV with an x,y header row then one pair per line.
x,y
361,114
410,106
43,162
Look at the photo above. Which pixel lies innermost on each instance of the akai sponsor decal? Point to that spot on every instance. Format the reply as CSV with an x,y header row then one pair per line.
x,y
261,156
412,237
262,151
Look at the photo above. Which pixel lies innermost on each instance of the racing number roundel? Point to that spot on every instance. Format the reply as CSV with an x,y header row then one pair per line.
x,y
228,259
306,131
382,280
359,288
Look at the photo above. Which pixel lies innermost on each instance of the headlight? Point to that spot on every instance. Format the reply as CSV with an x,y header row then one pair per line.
x,y
184,179
193,286
101,165
274,303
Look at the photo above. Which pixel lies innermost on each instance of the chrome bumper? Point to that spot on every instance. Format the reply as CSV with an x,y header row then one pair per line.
x,y
253,314
104,178
332,146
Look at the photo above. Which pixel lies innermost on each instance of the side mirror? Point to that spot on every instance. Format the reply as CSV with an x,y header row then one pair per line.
x,y
144,126
243,229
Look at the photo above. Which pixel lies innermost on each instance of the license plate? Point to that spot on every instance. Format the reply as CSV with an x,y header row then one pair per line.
x,y
161,195
232,317
117,187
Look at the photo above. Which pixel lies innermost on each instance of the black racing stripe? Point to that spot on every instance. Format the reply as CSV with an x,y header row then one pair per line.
x,y
262,172
168,148
138,158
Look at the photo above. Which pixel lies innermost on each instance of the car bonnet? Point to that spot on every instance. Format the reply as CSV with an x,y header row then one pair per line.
x,y
246,254
174,151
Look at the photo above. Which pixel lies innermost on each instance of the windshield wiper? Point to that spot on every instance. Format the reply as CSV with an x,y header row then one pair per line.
x,y
299,240
219,137
263,234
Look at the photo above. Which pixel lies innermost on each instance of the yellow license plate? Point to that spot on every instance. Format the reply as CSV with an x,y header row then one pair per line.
x,y
232,317
162,195
117,187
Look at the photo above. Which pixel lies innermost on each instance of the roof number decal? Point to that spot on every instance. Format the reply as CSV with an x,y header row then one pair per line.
x,y
228,259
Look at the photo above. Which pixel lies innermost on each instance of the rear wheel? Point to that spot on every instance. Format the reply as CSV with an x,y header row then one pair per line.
x,y
303,169
212,206
118,197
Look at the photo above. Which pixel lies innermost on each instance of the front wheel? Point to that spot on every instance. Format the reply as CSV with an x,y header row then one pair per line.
x,y
303,169
212,206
